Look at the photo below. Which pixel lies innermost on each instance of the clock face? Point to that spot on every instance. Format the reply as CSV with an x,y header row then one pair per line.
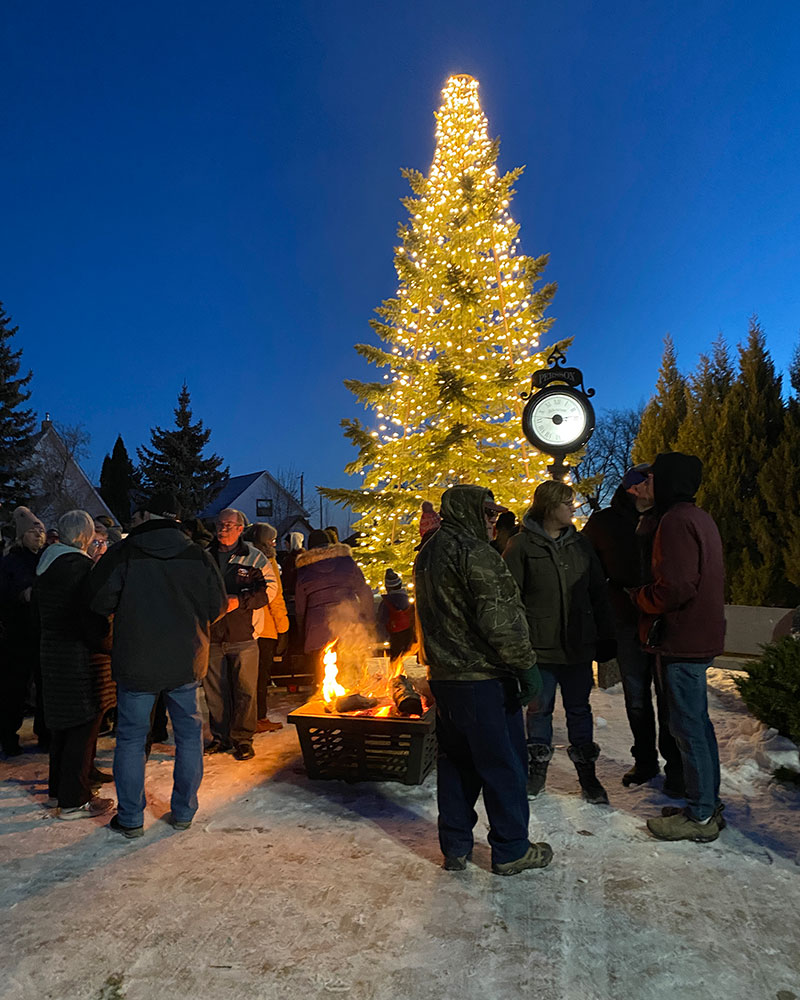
x,y
557,419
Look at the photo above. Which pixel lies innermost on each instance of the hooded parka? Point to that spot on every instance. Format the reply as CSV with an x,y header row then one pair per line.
x,y
330,591
468,606
688,586
164,591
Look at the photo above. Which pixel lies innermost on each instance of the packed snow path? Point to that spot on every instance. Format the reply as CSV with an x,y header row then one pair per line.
x,y
288,888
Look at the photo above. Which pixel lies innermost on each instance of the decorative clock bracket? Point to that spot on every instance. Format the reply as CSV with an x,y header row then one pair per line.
x,y
557,372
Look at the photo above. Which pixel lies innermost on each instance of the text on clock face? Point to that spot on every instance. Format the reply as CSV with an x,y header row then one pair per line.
x,y
558,419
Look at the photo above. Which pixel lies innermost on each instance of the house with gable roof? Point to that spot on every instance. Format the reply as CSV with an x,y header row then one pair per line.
x,y
58,483
260,497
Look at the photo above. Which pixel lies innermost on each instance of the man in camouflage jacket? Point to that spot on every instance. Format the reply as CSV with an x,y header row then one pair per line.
x,y
481,667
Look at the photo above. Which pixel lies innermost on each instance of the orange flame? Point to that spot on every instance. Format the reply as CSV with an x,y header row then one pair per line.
x,y
331,688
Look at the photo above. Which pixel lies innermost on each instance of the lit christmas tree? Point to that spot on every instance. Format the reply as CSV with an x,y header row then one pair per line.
x,y
461,339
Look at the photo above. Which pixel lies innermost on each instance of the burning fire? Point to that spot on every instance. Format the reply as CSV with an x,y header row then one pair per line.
x,y
380,698
331,688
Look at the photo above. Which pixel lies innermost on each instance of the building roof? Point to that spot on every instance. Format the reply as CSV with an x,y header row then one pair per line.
x,y
233,488
236,485
37,441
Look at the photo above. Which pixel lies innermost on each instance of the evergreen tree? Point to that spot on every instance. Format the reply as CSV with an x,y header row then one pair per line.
x,y
749,428
780,484
118,479
16,422
175,462
461,340
706,390
664,414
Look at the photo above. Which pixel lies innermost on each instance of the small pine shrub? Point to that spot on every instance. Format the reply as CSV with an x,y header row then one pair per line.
x,y
772,688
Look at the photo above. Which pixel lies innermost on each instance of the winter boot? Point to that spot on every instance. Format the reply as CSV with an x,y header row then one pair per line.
x,y
539,757
641,772
583,758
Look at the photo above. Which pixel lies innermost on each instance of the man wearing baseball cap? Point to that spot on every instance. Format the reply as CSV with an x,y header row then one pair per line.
x,y
622,537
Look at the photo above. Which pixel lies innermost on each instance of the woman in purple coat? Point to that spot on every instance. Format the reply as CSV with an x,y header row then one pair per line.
x,y
333,602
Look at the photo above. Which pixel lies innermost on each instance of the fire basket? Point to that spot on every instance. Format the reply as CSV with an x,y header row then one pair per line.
x,y
385,734
365,747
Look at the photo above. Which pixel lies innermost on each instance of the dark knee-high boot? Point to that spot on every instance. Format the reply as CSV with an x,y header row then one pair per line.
x,y
584,758
539,757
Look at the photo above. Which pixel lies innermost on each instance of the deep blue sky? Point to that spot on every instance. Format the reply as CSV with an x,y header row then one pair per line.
x,y
209,192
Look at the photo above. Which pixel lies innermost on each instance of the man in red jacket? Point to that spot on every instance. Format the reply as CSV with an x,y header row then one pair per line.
x,y
682,621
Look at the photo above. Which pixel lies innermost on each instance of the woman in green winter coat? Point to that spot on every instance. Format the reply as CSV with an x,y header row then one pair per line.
x,y
564,592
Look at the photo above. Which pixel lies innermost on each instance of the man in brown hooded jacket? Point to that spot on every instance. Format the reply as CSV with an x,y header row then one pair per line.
x,y
682,621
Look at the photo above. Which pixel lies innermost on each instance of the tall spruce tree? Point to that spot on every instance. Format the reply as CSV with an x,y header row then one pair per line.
x,y
16,422
119,478
706,391
461,340
664,414
780,485
175,462
749,429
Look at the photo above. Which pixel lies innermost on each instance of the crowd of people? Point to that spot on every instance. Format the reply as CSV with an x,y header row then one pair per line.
x,y
505,617
506,621
93,620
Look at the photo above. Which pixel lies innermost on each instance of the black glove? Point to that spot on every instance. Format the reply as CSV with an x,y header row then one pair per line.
x,y
282,644
606,650
530,685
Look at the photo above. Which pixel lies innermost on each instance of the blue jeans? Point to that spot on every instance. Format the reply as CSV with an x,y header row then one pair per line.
x,y
576,681
684,684
638,679
133,725
481,741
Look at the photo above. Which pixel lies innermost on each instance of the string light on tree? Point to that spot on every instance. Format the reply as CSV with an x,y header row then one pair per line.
x,y
462,340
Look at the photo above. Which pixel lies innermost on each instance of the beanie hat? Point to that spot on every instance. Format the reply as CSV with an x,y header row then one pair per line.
x,y
24,520
163,504
392,580
318,539
430,520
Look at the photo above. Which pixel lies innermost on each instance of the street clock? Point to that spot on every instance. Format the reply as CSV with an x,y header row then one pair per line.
x,y
558,418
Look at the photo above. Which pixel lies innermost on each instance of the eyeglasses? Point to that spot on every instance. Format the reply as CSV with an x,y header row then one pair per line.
x,y
490,515
226,525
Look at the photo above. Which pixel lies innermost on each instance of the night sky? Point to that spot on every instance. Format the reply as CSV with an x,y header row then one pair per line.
x,y
209,192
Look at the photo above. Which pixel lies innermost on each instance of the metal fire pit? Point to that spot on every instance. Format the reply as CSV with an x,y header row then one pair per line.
x,y
365,748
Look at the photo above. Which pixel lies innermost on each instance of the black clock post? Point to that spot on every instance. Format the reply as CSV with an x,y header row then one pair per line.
x,y
558,418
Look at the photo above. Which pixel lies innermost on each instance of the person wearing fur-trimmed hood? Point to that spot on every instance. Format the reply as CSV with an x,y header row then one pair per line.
x,y
332,599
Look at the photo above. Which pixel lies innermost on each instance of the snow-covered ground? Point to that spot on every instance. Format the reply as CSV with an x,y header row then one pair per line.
x,y
288,888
